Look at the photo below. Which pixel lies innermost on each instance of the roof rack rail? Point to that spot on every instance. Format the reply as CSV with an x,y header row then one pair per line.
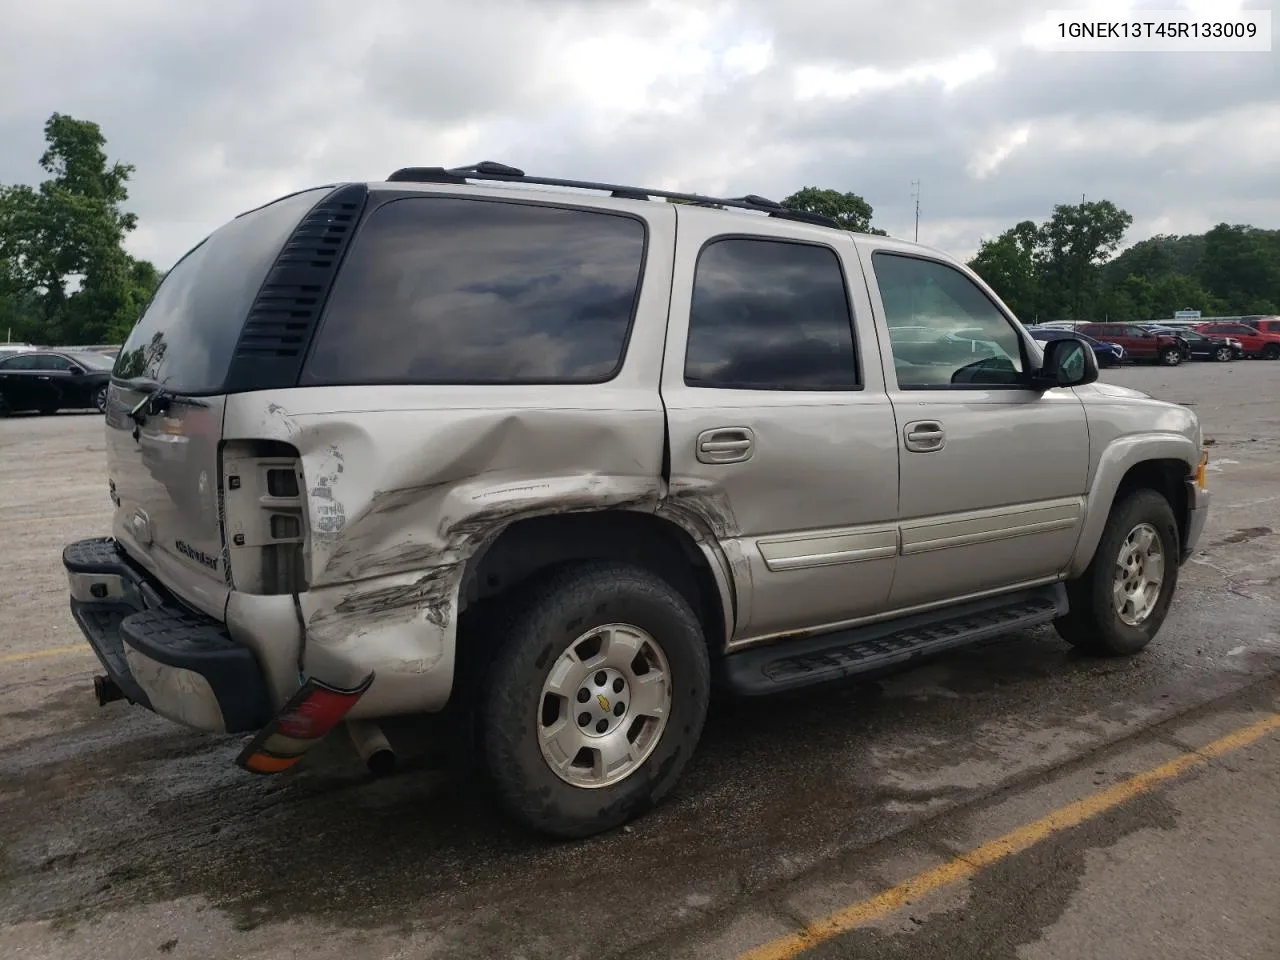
x,y
501,172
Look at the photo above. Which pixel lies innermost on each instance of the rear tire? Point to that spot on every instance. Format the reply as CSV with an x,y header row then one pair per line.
x,y
579,644
1223,354
1104,618
1170,356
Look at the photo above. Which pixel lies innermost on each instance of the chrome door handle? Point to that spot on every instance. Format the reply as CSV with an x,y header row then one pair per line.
x,y
924,436
725,445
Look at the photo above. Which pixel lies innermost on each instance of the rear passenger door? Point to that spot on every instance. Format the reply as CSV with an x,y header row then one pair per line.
x,y
15,381
51,380
778,422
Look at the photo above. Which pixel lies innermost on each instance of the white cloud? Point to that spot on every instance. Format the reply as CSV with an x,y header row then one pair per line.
x,y
825,81
988,160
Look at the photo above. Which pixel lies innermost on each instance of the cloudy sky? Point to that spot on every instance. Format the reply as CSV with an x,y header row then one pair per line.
x,y
223,105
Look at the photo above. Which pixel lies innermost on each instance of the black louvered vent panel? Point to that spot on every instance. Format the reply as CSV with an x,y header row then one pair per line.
x,y
284,315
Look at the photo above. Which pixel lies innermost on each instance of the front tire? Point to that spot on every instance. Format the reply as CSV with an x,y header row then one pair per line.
x,y
1120,602
100,399
595,699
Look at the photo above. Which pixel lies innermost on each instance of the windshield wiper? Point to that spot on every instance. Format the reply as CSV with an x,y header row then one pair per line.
x,y
156,400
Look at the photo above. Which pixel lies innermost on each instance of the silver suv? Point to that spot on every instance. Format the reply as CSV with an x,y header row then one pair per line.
x,y
560,457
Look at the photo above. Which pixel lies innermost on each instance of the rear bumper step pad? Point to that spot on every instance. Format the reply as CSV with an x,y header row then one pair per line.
x,y
186,656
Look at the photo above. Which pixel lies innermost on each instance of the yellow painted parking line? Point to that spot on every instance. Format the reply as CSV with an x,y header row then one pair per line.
x,y
46,654
1015,841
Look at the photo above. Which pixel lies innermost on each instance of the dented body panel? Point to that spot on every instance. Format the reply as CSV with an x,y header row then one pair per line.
x,y
399,499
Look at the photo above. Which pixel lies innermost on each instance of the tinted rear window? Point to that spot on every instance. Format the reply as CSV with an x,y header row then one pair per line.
x,y
770,315
439,290
188,333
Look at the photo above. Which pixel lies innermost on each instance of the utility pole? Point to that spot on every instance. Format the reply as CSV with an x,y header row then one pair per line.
x,y
915,193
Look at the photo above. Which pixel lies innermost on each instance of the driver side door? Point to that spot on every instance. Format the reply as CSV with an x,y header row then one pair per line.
x,y
993,474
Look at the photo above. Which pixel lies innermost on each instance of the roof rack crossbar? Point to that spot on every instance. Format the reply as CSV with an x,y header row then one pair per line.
x,y
500,172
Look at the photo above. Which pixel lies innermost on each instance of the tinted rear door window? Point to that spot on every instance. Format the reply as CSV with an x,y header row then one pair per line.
x,y
770,315
439,290
188,333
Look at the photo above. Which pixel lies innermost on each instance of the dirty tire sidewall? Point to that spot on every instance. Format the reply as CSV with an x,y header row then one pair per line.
x,y
554,612
1093,625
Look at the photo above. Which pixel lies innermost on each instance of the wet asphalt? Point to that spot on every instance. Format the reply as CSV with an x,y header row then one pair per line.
x,y
123,835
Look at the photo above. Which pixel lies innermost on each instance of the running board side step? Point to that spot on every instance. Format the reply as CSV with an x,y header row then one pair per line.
x,y
794,664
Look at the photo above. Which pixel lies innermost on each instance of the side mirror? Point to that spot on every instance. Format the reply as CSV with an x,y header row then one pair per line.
x,y
76,371
1068,362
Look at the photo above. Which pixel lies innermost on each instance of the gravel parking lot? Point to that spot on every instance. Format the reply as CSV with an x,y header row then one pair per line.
x,y
796,826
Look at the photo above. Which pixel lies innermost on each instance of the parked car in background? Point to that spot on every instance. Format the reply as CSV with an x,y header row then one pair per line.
x,y
9,349
53,380
1265,324
1139,343
1255,344
1107,354
1203,346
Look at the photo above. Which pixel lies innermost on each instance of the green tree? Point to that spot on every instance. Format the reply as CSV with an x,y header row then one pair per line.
x,y
63,265
848,209
1077,240
1012,264
1241,266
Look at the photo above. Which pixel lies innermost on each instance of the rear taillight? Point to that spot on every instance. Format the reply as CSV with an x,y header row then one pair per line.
x,y
314,710
264,517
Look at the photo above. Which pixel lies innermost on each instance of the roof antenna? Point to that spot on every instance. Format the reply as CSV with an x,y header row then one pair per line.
x,y
916,194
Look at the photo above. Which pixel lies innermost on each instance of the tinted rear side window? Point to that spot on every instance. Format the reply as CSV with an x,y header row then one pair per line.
x,y
769,315
188,333
439,290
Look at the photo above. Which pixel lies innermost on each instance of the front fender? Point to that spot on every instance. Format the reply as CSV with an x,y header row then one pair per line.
x,y
1120,456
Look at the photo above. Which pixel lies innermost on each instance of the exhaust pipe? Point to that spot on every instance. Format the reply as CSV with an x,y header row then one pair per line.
x,y
373,746
105,689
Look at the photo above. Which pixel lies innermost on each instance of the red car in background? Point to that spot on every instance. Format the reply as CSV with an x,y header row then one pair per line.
x,y
1255,343
1265,324
1139,344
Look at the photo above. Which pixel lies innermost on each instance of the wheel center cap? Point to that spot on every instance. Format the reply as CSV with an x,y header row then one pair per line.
x,y
602,702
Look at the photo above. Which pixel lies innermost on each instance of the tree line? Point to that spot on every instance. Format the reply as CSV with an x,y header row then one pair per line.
x,y
1063,269
65,276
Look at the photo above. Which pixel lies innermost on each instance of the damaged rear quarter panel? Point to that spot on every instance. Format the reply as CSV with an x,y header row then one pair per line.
x,y
404,484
